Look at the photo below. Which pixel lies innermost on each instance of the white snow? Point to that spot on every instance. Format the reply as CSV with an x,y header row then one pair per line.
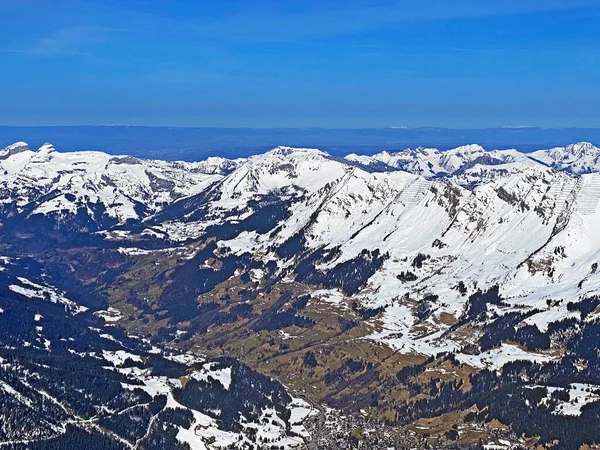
x,y
110,315
332,296
185,358
118,357
580,394
207,372
496,358
36,291
11,391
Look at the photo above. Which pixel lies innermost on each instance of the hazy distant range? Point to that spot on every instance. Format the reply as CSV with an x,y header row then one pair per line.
x,y
191,144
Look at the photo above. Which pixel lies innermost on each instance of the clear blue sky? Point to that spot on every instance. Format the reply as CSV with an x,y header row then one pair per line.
x,y
299,63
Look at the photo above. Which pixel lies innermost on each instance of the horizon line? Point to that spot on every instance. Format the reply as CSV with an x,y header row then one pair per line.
x,y
398,128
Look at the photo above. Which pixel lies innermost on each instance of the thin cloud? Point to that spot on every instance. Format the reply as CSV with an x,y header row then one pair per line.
x,y
70,41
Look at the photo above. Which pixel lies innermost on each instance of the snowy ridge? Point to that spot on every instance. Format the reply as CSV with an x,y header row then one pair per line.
x,y
497,219
465,216
579,158
431,162
49,182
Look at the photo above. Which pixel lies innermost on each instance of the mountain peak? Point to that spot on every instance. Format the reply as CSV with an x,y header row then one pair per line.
x,y
295,151
579,158
582,148
46,148
218,165
467,149
13,149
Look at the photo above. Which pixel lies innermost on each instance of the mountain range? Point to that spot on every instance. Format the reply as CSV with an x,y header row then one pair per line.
x,y
412,299
194,144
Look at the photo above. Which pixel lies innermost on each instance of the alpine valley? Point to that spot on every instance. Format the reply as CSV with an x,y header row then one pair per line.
x,y
414,299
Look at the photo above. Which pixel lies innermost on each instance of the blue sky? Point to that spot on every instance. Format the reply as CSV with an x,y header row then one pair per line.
x,y
307,63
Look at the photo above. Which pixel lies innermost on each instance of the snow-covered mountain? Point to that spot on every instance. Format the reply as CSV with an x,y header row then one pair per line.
x,y
526,229
431,162
495,218
579,158
468,259
121,188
